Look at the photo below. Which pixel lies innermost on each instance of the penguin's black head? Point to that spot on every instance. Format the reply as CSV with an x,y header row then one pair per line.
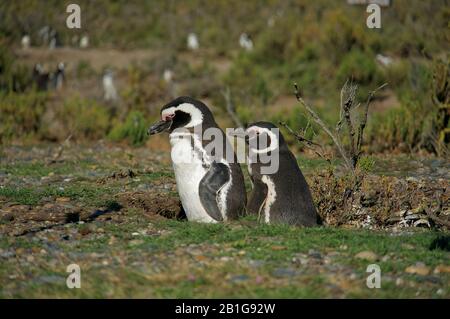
x,y
184,112
262,136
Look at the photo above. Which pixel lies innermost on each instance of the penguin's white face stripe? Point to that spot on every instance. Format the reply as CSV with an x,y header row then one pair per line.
x,y
195,113
271,197
254,131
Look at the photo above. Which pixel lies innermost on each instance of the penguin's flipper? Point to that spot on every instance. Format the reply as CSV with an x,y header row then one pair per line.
x,y
217,176
258,197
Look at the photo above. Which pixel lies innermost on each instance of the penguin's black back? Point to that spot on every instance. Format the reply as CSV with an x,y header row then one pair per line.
x,y
294,203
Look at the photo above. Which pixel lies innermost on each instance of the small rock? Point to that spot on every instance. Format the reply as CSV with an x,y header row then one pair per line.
x,y
255,263
367,255
300,260
314,254
284,272
422,223
418,269
399,282
413,217
51,279
135,234
259,280
431,278
239,278
201,258
7,254
442,269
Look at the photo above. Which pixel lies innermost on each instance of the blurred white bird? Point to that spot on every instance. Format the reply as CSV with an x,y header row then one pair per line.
x,y
245,42
168,75
84,42
384,60
110,92
192,42
26,41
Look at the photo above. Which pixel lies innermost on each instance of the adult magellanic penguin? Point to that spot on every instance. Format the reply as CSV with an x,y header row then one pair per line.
x,y
210,184
282,196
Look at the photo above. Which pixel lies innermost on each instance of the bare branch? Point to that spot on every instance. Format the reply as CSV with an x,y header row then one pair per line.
x,y
432,215
436,219
60,150
348,95
319,121
363,123
231,108
310,144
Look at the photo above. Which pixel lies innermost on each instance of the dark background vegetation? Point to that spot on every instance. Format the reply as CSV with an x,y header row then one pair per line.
x,y
318,44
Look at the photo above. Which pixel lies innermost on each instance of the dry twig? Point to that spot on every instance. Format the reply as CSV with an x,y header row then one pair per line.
x,y
319,121
231,108
310,144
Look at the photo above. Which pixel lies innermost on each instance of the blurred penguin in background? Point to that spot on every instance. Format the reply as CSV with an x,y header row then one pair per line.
x,y
40,77
58,78
192,42
109,89
168,77
84,42
54,39
44,34
26,42
245,42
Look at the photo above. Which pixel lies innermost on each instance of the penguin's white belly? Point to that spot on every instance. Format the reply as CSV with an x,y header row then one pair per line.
x,y
188,174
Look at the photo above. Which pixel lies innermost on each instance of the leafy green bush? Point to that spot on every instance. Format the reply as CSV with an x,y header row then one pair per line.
x,y
134,129
20,114
84,118
13,76
360,67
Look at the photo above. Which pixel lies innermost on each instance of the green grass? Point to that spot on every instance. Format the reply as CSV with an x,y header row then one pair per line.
x,y
89,194
257,241
40,168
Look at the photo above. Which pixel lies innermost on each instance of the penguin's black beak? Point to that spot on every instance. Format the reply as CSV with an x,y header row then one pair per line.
x,y
159,127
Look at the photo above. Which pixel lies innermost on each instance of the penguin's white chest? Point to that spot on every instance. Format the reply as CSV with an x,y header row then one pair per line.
x,y
189,171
